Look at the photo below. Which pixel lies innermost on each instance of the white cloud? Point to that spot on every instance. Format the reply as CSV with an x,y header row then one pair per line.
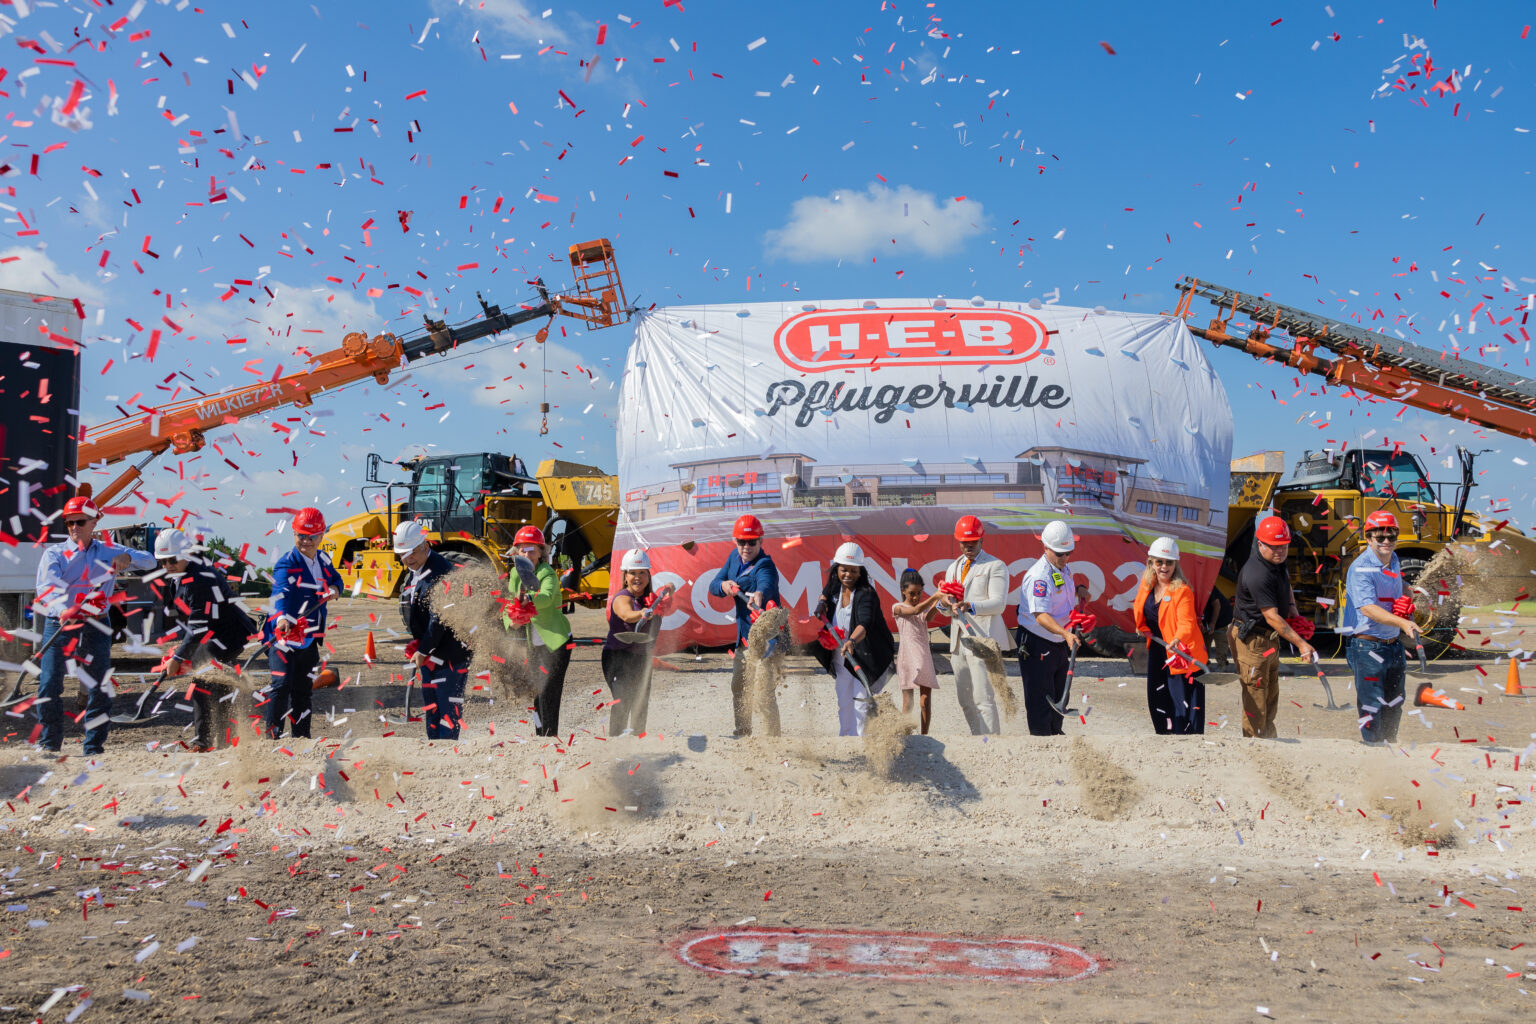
x,y
512,17
292,316
848,224
32,270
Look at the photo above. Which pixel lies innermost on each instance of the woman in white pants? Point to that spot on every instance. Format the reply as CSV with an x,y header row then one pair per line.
x,y
849,603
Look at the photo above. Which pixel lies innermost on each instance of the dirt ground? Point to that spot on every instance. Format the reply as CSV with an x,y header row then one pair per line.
x,y
368,875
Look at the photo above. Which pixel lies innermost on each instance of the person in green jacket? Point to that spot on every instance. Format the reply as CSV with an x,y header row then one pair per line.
x,y
536,614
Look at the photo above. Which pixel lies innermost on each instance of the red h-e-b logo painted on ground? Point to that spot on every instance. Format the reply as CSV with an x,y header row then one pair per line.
x,y
889,956
841,339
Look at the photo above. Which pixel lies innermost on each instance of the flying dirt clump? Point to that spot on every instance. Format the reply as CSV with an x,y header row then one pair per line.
x,y
885,734
1108,791
470,601
1419,815
765,670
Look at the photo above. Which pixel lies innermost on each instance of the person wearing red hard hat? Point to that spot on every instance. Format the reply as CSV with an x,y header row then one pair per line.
x,y
977,584
1263,614
75,582
533,612
303,583
751,580
1377,613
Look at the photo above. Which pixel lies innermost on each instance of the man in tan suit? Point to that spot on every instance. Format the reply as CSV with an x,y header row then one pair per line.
x,y
983,580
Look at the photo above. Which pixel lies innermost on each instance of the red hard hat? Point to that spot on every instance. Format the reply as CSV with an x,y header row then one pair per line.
x,y
1273,531
82,505
530,535
308,522
747,528
1381,519
969,528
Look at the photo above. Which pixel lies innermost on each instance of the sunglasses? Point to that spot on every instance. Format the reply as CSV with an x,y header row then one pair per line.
x,y
1382,538
77,522
748,543
1158,562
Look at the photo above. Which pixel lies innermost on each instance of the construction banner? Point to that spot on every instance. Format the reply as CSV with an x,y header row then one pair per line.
x,y
882,422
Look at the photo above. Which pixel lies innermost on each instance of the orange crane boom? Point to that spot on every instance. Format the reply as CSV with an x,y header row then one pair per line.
x,y
598,299
1371,363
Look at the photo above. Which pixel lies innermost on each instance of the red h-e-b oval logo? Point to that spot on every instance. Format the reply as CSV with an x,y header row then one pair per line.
x,y
889,956
841,339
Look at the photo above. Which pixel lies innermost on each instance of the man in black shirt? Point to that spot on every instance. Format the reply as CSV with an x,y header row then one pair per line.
x,y
1263,593
434,649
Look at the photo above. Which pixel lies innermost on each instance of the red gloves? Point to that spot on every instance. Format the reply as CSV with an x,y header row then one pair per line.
x,y
1303,627
1083,622
1403,607
954,589
410,650
171,666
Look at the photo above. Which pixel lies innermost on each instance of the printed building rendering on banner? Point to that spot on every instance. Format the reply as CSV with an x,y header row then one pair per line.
x,y
883,421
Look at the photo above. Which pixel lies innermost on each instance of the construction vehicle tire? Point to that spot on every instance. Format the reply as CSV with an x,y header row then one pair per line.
x,y
1436,616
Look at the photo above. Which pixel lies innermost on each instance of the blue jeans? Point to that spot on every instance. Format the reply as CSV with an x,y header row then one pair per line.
x,y
90,648
1379,670
442,695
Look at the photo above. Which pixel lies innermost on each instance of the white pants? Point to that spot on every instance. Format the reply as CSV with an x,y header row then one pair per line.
x,y
978,701
852,708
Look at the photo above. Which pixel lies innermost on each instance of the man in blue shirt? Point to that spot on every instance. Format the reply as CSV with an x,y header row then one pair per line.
x,y
751,579
1376,614
75,581
303,582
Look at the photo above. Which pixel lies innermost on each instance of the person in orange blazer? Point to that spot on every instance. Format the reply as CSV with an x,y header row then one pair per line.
x,y
1165,608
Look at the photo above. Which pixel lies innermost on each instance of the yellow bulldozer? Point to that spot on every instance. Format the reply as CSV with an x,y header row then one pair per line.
x,y
472,505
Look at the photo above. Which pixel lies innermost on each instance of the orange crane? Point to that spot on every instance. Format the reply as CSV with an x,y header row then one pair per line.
x,y
1370,363
597,299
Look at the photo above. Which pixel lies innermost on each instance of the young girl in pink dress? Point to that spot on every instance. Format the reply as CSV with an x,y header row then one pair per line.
x,y
914,657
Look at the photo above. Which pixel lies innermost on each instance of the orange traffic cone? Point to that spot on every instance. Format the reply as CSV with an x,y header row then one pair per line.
x,y
1512,681
370,653
1428,697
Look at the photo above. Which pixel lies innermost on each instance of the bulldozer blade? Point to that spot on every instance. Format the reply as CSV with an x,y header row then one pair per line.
x,y
526,572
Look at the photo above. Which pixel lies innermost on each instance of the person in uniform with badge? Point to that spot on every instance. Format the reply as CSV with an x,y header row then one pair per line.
x,y
1046,599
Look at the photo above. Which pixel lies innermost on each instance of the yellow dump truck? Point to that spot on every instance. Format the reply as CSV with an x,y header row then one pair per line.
x,y
473,505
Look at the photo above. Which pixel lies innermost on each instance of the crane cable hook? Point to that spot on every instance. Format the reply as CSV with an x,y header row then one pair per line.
x,y
540,337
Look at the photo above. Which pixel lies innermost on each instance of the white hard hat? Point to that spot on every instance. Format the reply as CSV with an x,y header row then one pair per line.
x,y
635,558
1164,547
849,554
172,544
409,536
1057,536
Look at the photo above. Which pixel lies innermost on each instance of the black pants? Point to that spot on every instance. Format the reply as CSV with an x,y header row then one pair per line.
x,y
628,674
1043,668
293,684
1175,702
548,668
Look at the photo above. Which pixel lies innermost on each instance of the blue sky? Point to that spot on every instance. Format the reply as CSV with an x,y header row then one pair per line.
x,y
741,153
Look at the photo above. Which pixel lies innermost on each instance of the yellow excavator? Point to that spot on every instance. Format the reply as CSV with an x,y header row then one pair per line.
x,y
472,505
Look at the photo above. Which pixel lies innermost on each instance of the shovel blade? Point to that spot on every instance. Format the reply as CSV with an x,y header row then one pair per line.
x,y
526,573
634,638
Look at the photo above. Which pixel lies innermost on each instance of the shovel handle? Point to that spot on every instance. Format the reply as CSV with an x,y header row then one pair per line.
x,y
1187,657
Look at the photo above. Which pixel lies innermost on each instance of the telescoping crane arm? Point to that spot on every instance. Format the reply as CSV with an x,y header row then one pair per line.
x,y
598,299
1368,362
